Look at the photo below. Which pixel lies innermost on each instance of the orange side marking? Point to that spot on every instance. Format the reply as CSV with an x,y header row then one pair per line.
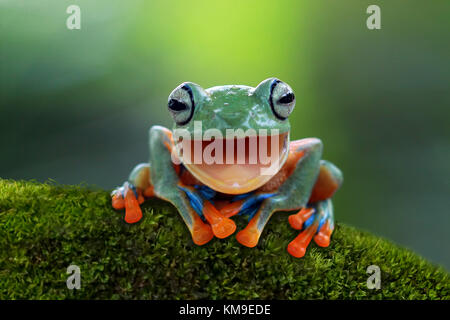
x,y
324,187
169,145
222,227
149,192
187,178
285,172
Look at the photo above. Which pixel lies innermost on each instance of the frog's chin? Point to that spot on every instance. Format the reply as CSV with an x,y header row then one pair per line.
x,y
237,177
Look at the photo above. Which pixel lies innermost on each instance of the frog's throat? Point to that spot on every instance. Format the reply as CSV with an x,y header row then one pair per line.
x,y
237,177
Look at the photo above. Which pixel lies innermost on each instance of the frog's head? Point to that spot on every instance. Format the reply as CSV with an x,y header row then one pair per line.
x,y
222,121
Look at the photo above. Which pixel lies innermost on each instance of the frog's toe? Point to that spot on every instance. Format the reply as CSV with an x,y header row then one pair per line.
x,y
201,232
298,246
118,202
296,220
222,226
326,225
322,238
248,237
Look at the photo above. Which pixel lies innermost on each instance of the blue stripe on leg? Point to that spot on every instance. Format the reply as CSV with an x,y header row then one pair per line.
x,y
324,212
251,206
206,192
195,200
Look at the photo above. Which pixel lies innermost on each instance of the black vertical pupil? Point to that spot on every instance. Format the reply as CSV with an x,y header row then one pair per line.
x,y
176,105
287,98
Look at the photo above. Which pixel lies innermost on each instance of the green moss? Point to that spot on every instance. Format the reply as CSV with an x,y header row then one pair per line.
x,y
44,228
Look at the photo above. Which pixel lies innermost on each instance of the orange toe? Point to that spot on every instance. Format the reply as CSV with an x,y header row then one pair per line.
x,y
133,212
201,233
296,250
222,226
118,202
297,247
248,237
133,216
296,220
322,238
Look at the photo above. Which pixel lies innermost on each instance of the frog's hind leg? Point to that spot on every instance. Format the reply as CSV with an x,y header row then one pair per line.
x,y
327,183
317,219
319,225
329,180
133,193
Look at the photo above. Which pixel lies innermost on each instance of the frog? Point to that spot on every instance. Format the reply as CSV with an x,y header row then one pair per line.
x,y
209,194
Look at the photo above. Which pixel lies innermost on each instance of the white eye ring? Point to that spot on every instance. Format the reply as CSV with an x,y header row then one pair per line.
x,y
282,99
181,104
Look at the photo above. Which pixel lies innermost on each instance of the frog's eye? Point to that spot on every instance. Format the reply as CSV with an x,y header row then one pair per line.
x,y
282,99
181,104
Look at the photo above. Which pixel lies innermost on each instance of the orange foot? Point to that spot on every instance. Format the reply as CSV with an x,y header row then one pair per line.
x,y
130,198
222,226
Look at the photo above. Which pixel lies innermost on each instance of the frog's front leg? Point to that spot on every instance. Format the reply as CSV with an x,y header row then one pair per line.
x,y
192,202
160,178
292,184
304,182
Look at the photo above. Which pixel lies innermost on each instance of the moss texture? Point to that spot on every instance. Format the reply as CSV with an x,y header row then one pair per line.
x,y
44,228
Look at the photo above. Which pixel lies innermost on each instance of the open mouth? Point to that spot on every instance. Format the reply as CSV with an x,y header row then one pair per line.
x,y
235,165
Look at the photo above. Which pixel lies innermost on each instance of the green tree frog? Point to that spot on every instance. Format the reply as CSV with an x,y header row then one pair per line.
x,y
229,154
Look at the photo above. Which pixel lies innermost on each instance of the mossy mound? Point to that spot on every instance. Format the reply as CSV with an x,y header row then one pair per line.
x,y
44,228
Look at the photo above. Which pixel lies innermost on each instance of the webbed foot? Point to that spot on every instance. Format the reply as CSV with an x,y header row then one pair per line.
x,y
200,198
130,198
317,223
221,226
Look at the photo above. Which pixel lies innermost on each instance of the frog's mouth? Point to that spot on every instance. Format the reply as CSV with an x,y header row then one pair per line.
x,y
235,165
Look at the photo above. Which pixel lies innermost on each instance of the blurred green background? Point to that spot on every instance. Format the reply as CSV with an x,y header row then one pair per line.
x,y
76,105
